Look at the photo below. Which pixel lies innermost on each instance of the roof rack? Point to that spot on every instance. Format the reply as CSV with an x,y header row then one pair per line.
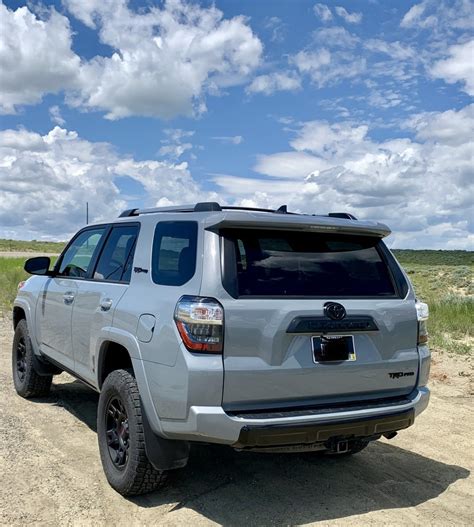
x,y
344,215
203,206
212,206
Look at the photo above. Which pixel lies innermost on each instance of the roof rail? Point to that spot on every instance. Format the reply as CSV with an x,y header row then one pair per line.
x,y
280,210
212,206
207,206
129,212
344,215
203,206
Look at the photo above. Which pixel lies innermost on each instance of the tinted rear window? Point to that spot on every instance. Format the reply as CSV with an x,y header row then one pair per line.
x,y
284,263
174,252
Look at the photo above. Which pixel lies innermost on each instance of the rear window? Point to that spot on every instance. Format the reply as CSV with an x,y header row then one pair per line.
x,y
174,252
284,263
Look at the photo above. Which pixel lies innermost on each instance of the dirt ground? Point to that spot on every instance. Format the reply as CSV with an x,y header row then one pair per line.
x,y
50,472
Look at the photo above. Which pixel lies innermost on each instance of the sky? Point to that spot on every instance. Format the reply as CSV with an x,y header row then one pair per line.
x,y
357,106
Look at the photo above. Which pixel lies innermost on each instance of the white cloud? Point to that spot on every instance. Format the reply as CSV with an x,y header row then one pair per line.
x,y
422,188
175,145
439,18
326,67
320,137
350,18
336,55
232,140
286,165
43,63
458,67
335,37
55,115
277,28
396,50
272,82
46,180
165,61
384,98
323,12
451,127
413,15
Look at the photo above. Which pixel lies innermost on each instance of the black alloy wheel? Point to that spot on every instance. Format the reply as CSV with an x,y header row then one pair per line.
x,y
26,379
21,364
118,438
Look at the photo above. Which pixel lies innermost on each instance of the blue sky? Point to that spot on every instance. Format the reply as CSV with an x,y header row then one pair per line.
x,y
357,106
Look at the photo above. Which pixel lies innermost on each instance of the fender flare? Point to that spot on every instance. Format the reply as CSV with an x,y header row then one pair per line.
x,y
130,343
25,306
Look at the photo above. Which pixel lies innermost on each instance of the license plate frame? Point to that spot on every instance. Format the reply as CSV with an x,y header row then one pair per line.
x,y
328,348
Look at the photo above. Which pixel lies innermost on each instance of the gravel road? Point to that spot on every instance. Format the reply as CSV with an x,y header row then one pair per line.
x,y
50,471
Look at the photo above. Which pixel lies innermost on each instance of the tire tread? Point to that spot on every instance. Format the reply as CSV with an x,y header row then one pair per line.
x,y
35,385
143,477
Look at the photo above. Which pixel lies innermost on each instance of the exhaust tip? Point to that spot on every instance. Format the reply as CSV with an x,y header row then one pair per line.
x,y
390,435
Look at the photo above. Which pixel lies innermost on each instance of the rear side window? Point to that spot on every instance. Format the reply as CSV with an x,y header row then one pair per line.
x,y
284,263
174,252
115,262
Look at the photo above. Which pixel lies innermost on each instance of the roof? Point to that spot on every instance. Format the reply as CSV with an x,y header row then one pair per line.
x,y
215,216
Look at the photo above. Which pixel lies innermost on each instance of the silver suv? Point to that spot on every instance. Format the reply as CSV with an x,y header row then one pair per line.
x,y
263,330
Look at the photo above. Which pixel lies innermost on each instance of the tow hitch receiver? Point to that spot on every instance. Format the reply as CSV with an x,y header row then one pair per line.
x,y
342,446
338,446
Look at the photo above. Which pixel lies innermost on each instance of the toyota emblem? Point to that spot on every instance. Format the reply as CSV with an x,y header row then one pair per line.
x,y
334,310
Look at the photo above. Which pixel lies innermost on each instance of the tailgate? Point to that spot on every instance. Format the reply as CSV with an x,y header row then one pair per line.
x,y
276,280
265,365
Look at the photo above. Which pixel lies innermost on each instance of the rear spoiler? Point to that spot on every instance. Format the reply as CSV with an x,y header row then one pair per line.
x,y
298,222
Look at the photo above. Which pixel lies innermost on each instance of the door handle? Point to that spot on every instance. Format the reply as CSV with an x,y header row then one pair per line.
x,y
68,297
105,304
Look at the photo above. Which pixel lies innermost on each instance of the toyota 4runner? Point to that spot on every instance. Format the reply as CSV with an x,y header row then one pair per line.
x,y
259,329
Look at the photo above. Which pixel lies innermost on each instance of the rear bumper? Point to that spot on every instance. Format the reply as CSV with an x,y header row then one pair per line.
x,y
291,434
213,425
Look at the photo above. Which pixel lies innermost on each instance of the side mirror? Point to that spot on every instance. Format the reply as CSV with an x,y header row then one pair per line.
x,y
39,265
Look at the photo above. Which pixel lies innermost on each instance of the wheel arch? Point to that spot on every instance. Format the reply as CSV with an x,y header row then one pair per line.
x,y
18,314
110,338
112,356
22,310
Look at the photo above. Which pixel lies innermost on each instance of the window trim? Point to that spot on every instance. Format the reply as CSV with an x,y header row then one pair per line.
x,y
231,285
153,259
109,233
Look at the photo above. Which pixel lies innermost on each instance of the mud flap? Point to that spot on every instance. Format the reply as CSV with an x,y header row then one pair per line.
x,y
43,367
164,454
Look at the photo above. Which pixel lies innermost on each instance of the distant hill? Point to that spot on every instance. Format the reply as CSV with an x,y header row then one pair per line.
x,y
404,256
33,246
433,257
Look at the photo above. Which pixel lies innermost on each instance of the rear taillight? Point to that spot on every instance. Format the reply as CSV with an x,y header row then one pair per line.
x,y
200,322
21,284
422,313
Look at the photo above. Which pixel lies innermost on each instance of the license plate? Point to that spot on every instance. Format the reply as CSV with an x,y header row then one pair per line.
x,y
333,348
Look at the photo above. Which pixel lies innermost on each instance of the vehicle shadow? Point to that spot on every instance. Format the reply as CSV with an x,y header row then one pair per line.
x,y
235,488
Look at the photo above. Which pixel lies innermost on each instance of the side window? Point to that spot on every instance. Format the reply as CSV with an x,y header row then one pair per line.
x,y
115,262
241,256
174,252
79,255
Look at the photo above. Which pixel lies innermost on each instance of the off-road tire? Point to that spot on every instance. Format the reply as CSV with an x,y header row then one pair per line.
x,y
137,475
26,380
